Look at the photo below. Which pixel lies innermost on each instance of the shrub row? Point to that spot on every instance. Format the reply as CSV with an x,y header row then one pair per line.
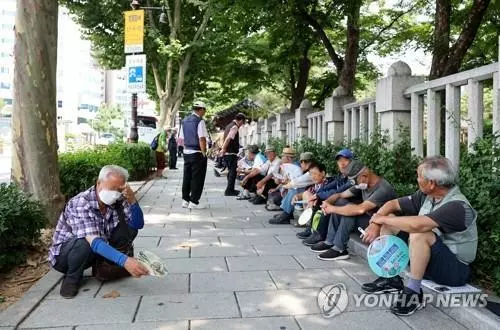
x,y
79,170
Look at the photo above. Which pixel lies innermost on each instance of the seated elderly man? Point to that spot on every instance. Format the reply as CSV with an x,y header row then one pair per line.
x,y
98,224
441,227
292,188
289,169
251,175
374,192
262,177
317,230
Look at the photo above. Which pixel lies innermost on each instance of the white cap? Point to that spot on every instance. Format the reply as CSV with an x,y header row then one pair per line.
x,y
199,104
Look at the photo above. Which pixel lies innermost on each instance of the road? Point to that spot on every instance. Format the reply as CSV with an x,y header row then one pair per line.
x,y
5,163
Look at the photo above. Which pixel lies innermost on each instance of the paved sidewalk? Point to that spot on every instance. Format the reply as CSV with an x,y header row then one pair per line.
x,y
229,269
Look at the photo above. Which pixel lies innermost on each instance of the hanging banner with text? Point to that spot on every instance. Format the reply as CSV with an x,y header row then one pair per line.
x,y
136,73
134,31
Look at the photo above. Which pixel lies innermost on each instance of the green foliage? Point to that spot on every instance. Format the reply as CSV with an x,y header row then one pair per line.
x,y
78,171
103,122
480,182
21,219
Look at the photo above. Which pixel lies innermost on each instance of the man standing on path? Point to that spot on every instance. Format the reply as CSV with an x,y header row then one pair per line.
x,y
172,151
230,150
194,134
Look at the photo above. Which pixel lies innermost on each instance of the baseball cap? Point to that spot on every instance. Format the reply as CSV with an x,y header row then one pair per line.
x,y
199,104
306,156
346,153
354,169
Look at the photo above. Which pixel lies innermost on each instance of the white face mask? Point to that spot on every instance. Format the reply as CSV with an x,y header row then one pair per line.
x,y
362,186
109,197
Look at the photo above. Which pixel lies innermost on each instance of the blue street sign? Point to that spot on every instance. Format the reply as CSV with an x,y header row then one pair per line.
x,y
135,74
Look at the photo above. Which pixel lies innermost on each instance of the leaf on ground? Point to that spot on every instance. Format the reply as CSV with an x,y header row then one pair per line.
x,y
113,294
184,246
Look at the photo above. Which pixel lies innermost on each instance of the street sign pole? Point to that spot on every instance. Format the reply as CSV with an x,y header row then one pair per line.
x,y
134,134
134,40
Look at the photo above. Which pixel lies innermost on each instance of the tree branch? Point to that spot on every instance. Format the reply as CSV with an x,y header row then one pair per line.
x,y
387,27
157,80
320,32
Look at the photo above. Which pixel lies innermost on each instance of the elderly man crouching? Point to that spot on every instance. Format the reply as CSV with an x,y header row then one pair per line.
x,y
441,225
98,224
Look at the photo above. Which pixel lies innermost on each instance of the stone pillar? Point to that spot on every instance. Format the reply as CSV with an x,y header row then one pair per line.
x,y
372,120
363,123
260,124
347,125
354,123
334,115
433,123
301,122
394,108
475,92
281,119
452,133
496,103
417,124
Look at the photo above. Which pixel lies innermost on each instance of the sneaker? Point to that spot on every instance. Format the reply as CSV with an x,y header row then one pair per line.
x,y
408,302
259,200
384,285
304,234
68,290
282,219
321,247
313,239
216,173
198,206
332,254
185,204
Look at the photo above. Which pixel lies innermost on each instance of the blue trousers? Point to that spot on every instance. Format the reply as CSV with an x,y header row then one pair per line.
x,y
286,202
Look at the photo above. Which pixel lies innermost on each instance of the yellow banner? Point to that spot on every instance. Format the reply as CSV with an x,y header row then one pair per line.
x,y
134,31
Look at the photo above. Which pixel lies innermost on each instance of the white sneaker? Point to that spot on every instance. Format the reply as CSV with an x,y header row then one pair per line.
x,y
196,206
185,204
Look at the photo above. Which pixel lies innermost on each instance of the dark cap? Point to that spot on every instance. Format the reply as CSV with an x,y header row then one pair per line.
x,y
254,149
240,116
346,153
354,169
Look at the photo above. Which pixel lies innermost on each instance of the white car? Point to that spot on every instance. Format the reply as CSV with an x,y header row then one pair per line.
x,y
106,139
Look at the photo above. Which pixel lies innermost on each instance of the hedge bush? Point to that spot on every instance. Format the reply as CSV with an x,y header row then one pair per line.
x,y
79,170
479,180
21,219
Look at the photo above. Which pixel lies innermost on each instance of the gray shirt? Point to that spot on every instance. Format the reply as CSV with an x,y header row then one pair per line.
x,y
379,194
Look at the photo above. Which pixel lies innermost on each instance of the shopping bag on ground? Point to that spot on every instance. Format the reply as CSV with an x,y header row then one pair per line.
x,y
153,263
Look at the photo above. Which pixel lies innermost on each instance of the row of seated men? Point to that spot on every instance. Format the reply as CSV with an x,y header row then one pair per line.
x,y
437,221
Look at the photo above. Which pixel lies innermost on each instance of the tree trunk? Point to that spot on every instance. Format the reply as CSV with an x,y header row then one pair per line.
x,y
35,167
447,60
299,88
348,73
441,37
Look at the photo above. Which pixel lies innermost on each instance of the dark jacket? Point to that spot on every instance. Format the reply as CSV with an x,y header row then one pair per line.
x,y
172,144
335,185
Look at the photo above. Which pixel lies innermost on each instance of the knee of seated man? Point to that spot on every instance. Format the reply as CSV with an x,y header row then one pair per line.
x,y
428,237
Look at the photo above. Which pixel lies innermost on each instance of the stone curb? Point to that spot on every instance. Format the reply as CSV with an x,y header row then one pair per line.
x,y
469,317
14,315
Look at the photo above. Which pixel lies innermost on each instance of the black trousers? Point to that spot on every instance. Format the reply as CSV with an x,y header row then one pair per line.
x,y
172,158
193,180
251,184
76,254
232,166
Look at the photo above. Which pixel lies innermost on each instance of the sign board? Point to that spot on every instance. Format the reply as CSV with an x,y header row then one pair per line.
x,y
134,31
136,73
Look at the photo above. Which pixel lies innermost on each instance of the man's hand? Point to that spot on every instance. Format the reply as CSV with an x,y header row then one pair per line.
x,y
260,184
129,194
327,208
135,268
377,219
273,190
372,232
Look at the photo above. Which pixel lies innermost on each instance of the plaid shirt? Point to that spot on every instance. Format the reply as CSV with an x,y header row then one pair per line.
x,y
82,218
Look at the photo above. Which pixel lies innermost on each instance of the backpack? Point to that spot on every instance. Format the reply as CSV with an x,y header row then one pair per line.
x,y
154,143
